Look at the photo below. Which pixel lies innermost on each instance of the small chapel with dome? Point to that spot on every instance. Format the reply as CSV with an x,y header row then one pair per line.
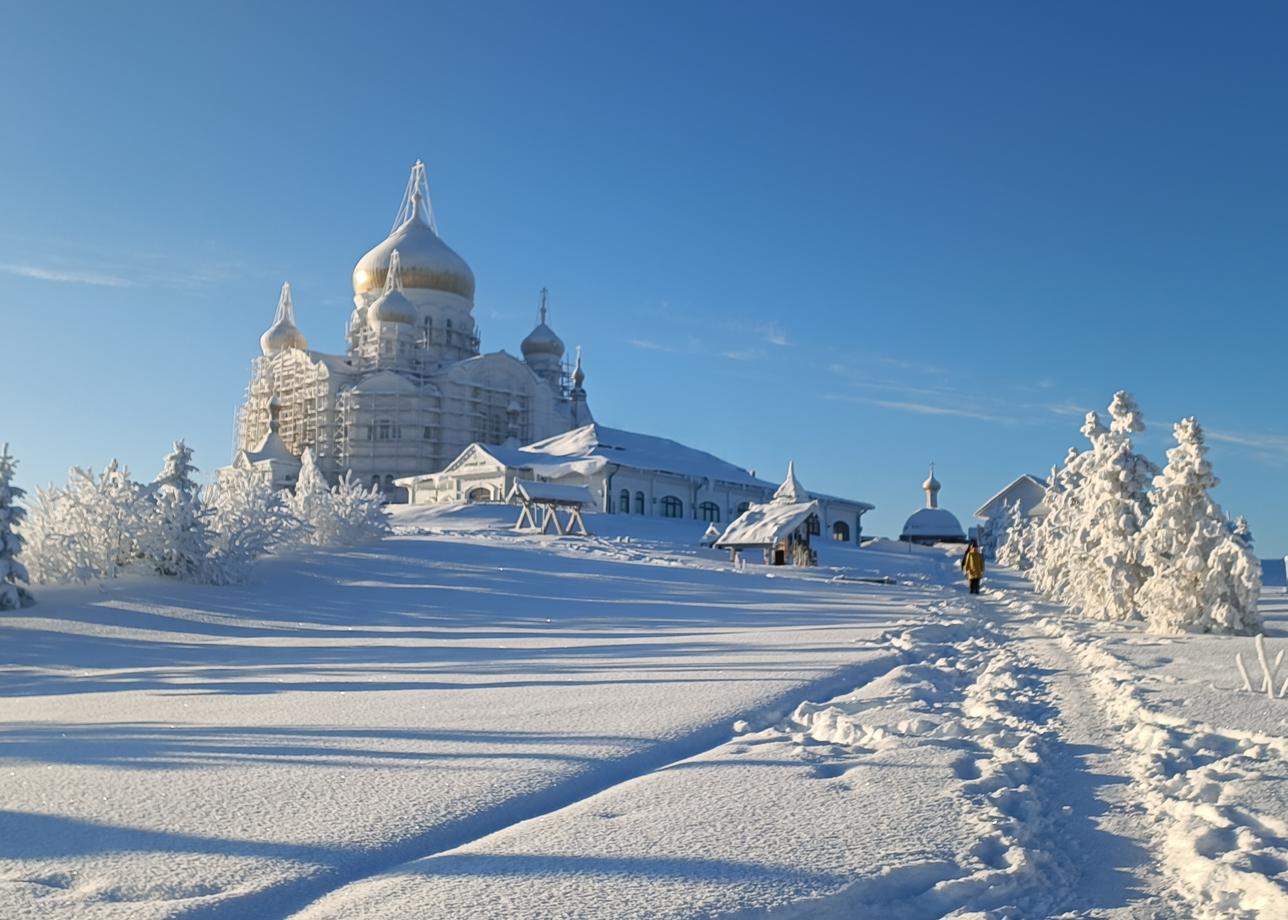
x,y
932,524
413,389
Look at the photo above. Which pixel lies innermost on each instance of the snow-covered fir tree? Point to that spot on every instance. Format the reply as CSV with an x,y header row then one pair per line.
x,y
91,528
181,538
250,519
1016,547
1058,543
1105,569
1205,577
12,573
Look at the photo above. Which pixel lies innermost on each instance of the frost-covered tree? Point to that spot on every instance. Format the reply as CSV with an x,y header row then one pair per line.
x,y
1205,577
1242,532
344,515
360,512
995,529
250,519
1016,547
91,528
181,538
12,573
1058,541
1106,570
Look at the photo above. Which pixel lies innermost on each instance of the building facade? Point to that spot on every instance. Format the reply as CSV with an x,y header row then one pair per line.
x,y
412,390
627,473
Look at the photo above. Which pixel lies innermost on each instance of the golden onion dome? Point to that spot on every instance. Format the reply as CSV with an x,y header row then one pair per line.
x,y
283,334
427,262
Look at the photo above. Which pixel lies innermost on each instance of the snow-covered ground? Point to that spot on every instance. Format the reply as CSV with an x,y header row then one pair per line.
x,y
466,722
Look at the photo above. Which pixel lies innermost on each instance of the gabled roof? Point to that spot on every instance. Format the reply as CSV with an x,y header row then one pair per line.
x,y
1038,481
553,492
764,525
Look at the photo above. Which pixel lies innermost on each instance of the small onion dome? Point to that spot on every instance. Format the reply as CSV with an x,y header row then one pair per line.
x,y
542,341
283,334
392,306
427,262
931,484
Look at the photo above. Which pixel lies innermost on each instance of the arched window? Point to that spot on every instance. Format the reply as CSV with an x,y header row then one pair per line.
x,y
389,481
743,506
841,532
812,526
710,511
672,507
375,482
481,494
639,502
624,502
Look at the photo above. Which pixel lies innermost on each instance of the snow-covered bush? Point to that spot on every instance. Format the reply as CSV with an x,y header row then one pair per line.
x,y
345,515
1204,578
249,519
91,528
12,573
360,512
180,542
1108,570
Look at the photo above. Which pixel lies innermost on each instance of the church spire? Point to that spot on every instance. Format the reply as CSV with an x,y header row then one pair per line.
x,y
416,204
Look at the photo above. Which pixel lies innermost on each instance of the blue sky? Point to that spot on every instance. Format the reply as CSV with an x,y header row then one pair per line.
x,y
866,236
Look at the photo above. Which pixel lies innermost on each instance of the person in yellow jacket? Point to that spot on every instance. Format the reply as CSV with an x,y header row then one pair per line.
x,y
973,566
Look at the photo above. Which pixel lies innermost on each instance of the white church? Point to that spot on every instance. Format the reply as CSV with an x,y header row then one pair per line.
x,y
412,390
414,408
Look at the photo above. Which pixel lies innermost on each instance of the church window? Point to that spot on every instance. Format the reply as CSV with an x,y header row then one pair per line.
x,y
624,502
375,482
672,507
384,430
429,433
370,432
812,525
710,511
639,502
841,532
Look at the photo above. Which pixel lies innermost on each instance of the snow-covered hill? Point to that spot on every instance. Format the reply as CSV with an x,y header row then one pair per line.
x,y
466,722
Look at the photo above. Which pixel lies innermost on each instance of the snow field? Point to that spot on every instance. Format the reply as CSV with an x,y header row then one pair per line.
x,y
180,750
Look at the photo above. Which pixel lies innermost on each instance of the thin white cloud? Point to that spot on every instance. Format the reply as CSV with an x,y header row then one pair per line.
x,y
1273,443
1065,408
774,335
748,355
920,408
650,345
63,276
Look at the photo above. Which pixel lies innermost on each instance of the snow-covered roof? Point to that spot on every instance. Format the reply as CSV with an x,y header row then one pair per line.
x,y
764,525
641,451
553,492
934,522
271,447
1025,479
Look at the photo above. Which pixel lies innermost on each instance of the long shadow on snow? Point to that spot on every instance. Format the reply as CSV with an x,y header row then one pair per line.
x,y
289,898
